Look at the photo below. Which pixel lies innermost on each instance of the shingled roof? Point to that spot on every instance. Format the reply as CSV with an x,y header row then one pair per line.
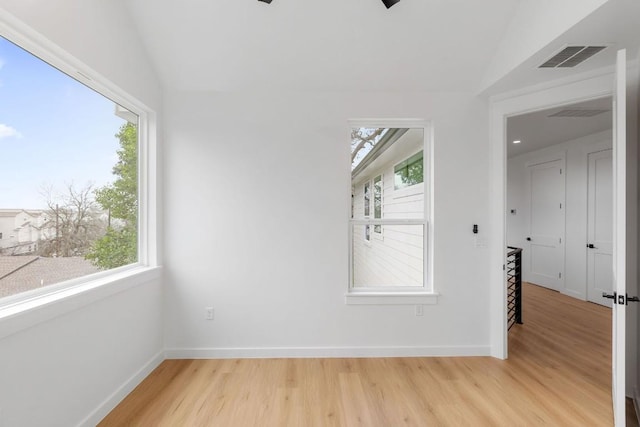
x,y
23,273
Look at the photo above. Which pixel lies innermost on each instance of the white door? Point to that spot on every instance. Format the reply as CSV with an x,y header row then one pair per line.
x,y
619,239
546,235
600,227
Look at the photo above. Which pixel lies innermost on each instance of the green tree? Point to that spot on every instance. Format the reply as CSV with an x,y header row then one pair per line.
x,y
119,246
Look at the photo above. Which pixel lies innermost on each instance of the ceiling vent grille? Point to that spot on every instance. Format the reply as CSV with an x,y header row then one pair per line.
x,y
571,56
577,113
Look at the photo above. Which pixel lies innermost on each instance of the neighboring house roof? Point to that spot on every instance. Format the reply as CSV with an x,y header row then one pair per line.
x,y
14,212
23,273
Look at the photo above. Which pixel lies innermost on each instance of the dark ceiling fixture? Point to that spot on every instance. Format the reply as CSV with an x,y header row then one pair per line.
x,y
389,3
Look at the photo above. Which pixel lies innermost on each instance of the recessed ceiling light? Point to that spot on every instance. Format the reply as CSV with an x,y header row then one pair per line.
x,y
517,141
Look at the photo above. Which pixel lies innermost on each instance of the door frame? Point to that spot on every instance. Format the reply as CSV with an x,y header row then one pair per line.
x,y
501,108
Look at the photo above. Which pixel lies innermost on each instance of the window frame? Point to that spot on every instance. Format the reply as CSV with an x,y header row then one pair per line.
x,y
147,266
400,295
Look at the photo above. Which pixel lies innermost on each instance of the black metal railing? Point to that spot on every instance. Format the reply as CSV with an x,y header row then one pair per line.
x,y
514,286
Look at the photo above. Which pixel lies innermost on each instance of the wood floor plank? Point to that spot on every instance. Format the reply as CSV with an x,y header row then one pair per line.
x,y
558,373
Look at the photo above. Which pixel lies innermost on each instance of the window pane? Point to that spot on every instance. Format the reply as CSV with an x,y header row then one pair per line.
x,y
395,261
367,200
363,140
409,172
414,174
377,197
401,177
69,204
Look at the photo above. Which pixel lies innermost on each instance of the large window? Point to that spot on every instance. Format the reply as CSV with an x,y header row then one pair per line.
x,y
391,195
70,192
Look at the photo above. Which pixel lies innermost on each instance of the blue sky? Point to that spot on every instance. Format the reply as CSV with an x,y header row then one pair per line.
x,y
54,131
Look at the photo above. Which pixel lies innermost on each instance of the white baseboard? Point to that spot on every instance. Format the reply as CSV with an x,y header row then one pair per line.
x,y
327,352
117,396
574,294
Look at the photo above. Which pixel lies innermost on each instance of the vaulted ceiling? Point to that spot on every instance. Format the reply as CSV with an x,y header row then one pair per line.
x,y
345,45
359,45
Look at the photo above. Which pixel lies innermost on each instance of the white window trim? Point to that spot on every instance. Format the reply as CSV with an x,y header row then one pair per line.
x,y
425,294
100,284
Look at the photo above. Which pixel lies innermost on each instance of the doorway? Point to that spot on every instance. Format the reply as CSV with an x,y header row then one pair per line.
x,y
625,187
559,195
559,204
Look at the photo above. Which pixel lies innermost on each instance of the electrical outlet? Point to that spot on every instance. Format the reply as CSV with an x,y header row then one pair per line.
x,y
419,310
208,313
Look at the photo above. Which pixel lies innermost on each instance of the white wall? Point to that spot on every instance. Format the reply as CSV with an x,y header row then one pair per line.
x,y
59,371
575,273
66,365
266,180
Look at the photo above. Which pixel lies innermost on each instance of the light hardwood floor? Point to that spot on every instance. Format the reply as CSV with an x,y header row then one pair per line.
x,y
558,373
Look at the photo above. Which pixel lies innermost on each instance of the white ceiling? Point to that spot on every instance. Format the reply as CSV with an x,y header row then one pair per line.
x,y
615,24
537,130
341,45
357,45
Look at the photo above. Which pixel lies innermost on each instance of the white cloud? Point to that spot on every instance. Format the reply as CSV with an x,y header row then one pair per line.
x,y
8,132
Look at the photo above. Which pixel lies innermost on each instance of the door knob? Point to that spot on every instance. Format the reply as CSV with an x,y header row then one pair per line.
x,y
632,299
528,239
609,296
590,246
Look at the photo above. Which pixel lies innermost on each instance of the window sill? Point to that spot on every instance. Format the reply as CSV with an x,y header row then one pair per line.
x,y
391,298
26,313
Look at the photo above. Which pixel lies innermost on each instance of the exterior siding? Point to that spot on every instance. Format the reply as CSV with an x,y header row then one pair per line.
x,y
394,257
